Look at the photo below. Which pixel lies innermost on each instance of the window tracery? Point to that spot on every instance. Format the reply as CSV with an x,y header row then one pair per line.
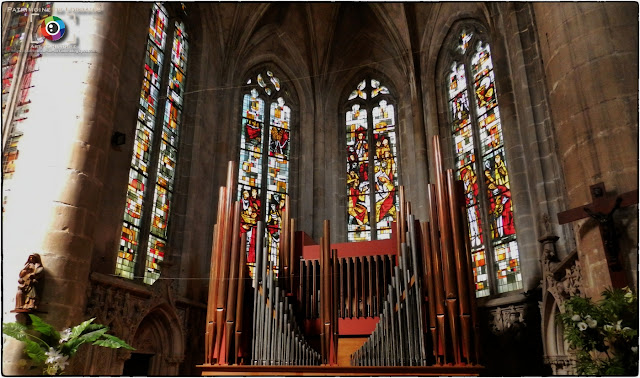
x,y
372,173
264,161
145,222
476,129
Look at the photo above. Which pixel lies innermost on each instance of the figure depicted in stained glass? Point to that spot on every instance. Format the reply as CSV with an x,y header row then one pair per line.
x,y
502,213
359,168
253,132
484,92
460,107
357,199
281,114
500,208
385,190
383,149
274,217
254,106
361,147
500,172
279,141
249,215
470,182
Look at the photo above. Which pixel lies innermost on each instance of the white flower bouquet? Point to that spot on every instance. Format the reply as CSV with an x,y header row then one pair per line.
x,y
52,349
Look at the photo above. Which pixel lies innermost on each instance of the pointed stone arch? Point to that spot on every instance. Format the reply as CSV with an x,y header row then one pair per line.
x,y
160,334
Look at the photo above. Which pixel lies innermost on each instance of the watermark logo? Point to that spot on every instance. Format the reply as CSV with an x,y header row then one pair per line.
x,y
52,28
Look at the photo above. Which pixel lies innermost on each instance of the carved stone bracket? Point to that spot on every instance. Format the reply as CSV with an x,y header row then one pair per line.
x,y
561,365
174,359
123,354
116,304
505,319
561,281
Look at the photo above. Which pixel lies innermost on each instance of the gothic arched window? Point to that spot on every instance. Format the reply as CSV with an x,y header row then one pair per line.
x,y
481,164
263,175
21,53
372,170
153,164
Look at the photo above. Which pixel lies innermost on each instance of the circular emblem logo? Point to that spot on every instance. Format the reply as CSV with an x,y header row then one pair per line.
x,y
52,28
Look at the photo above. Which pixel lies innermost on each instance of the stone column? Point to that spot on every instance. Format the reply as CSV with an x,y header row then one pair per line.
x,y
59,175
590,54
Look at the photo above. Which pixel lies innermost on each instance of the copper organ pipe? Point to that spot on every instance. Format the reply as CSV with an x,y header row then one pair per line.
x,y
232,293
429,284
446,249
460,262
440,346
242,278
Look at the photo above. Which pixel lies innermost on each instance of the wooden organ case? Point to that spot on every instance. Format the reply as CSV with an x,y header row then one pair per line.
x,y
402,306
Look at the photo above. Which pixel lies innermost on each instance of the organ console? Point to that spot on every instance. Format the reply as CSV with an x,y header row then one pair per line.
x,y
407,303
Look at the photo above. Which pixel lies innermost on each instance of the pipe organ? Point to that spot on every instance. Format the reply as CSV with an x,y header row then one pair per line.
x,y
408,302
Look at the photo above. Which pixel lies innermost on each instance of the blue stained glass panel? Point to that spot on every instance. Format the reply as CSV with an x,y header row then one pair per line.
x,y
278,175
253,107
250,168
457,80
280,114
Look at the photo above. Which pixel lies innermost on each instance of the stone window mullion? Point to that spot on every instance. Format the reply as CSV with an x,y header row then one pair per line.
x,y
148,200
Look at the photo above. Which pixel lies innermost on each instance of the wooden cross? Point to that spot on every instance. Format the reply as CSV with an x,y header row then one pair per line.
x,y
601,209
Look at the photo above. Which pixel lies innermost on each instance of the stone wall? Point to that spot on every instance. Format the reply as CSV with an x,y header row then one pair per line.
x,y
590,57
59,177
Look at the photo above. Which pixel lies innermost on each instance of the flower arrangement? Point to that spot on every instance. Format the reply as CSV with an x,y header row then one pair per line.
x,y
603,335
53,349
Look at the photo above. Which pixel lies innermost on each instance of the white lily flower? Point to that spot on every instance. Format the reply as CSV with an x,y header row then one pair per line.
x,y
634,349
582,326
65,335
618,327
53,356
592,323
56,360
608,327
63,362
576,318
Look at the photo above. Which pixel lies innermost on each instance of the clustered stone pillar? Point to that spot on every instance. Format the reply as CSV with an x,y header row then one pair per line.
x,y
590,54
59,175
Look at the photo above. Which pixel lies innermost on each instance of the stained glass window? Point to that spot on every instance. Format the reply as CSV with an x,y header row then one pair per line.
x,y
372,172
478,147
22,44
263,175
148,153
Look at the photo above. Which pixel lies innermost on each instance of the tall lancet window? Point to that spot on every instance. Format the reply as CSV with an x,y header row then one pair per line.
x,y
481,163
21,53
372,169
155,151
263,175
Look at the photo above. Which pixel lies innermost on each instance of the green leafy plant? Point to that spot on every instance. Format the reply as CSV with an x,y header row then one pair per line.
x,y
52,349
603,335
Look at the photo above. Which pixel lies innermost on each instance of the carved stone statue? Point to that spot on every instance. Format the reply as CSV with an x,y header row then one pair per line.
x,y
29,284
